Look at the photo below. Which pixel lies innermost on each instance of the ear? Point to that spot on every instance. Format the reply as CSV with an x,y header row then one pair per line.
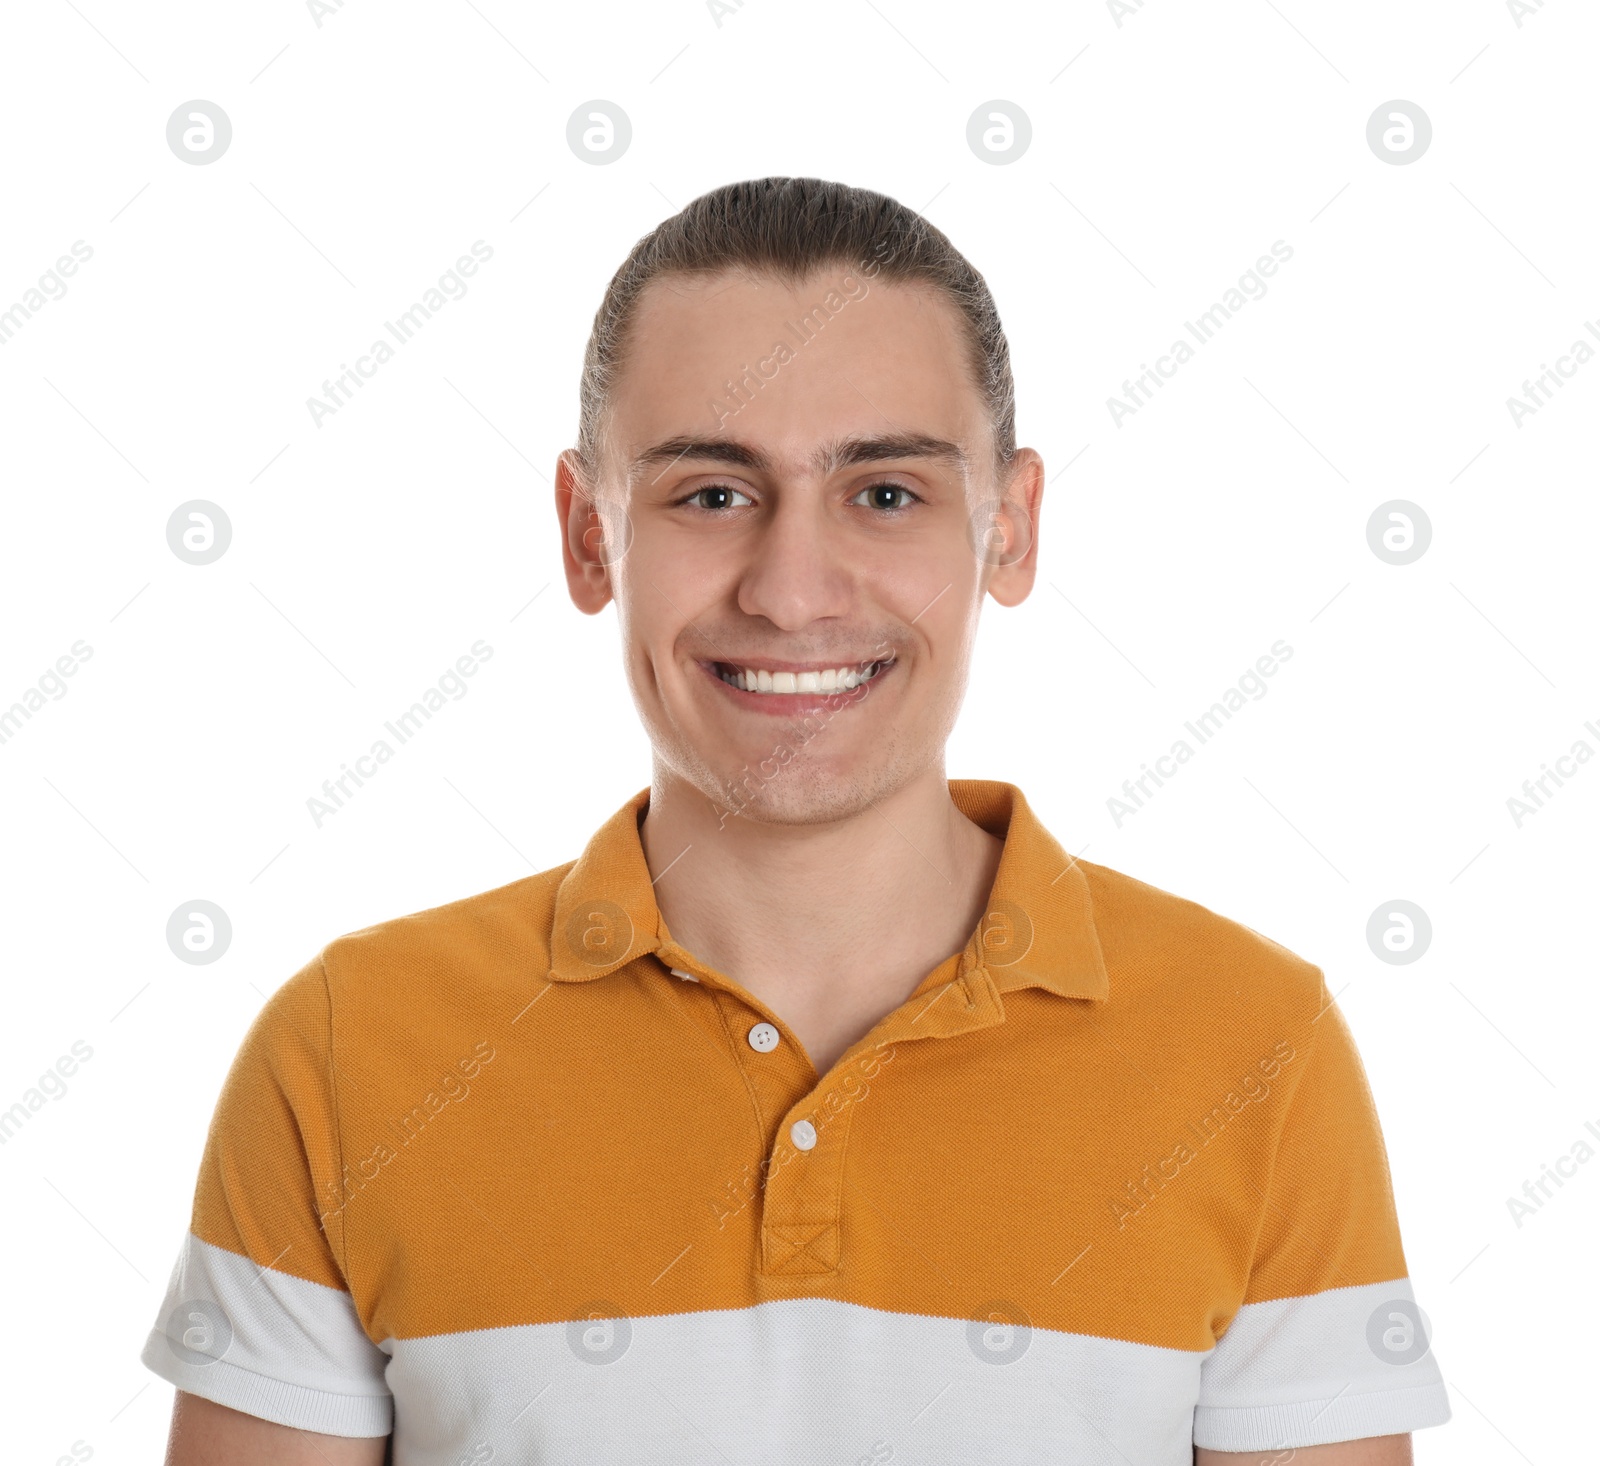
x,y
582,538
1014,531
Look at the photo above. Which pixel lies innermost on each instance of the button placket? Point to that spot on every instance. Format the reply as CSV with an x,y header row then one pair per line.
x,y
800,1209
774,1070
804,1193
798,1199
805,1117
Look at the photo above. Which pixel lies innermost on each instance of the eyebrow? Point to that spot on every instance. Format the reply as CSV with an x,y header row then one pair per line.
x,y
847,452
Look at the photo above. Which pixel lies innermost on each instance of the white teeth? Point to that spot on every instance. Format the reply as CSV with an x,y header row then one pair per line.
x,y
833,679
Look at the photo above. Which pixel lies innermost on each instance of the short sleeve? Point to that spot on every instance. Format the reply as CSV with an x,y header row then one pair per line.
x,y
1328,1344
258,1315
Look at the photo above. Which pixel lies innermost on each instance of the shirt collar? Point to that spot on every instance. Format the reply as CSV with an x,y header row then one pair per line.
x,y
1038,929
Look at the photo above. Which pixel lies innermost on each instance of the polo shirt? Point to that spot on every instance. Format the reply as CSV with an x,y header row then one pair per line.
x,y
520,1178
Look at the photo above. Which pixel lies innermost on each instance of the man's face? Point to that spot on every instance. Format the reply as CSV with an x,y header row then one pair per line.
x,y
801,562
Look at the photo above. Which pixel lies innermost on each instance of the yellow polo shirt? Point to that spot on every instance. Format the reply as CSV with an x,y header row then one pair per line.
x,y
520,1179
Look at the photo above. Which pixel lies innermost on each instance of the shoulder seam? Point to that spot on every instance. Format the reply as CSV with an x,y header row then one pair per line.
x,y
340,1249
1288,1111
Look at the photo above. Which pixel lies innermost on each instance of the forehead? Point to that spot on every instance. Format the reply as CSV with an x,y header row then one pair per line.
x,y
795,365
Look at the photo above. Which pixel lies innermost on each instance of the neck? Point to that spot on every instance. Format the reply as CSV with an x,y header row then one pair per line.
x,y
881,896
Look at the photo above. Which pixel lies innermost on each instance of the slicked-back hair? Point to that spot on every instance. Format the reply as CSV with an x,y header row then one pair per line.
x,y
790,229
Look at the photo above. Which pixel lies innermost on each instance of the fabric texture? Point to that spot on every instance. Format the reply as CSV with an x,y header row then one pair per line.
x,y
496,1178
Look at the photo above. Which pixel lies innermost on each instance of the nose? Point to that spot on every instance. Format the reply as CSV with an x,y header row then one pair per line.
x,y
798,570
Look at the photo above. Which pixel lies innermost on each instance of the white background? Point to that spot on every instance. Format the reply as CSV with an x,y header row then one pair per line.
x,y
1168,153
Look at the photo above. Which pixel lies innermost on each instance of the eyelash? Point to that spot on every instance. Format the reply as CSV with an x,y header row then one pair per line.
x,y
729,488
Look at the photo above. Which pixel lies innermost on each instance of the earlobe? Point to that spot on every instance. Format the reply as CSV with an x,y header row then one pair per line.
x,y
1012,584
581,524
1016,527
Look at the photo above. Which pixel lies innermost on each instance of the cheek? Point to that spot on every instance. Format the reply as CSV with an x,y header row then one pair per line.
x,y
932,592
657,604
654,601
949,629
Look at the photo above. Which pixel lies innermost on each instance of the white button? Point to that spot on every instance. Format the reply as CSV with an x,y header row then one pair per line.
x,y
804,1134
686,976
763,1038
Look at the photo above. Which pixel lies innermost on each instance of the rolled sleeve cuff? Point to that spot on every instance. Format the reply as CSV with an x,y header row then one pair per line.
x,y
293,1405
1321,1422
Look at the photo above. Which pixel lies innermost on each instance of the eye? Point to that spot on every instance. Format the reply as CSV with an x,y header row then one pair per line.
x,y
716,496
886,496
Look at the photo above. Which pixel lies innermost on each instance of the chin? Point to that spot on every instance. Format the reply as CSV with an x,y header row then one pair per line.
x,y
802,792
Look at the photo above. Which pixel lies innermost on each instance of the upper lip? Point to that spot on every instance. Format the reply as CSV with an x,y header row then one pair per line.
x,y
769,664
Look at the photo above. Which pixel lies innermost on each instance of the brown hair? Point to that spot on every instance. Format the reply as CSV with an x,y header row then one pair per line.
x,y
789,228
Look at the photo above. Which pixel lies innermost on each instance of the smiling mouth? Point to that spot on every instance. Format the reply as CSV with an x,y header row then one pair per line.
x,y
824,679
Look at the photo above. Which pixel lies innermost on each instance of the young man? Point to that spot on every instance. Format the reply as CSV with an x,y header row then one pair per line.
x,y
824,1110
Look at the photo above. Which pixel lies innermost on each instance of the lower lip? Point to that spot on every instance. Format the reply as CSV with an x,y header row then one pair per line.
x,y
797,704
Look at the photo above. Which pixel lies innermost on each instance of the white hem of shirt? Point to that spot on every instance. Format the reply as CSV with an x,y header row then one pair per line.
x,y
801,1379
